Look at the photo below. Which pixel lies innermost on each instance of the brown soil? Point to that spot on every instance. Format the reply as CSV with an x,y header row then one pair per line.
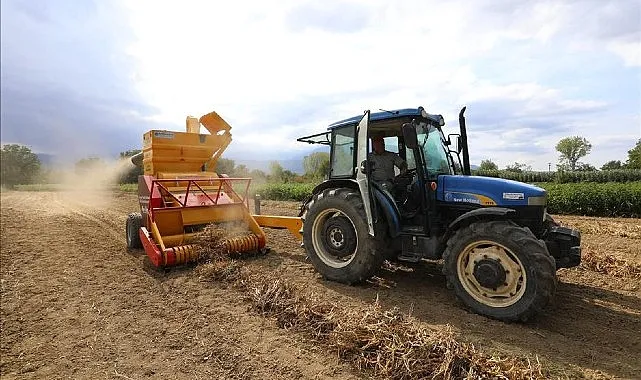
x,y
77,304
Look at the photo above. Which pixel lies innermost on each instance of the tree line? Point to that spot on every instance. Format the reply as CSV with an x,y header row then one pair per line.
x,y
571,150
19,165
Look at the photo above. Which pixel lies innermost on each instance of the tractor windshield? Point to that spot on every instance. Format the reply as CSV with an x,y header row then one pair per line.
x,y
436,159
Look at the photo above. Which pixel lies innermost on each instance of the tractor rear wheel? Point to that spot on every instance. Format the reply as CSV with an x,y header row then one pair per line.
x,y
336,237
134,222
500,270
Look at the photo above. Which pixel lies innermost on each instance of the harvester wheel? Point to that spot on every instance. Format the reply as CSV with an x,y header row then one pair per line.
x,y
336,238
500,270
134,221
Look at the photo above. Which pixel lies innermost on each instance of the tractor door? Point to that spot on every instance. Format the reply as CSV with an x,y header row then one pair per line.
x,y
363,169
416,158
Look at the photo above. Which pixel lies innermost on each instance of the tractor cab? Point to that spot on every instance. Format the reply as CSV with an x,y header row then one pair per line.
x,y
411,134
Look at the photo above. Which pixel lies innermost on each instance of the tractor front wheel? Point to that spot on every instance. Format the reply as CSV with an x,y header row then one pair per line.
x,y
132,227
336,238
500,270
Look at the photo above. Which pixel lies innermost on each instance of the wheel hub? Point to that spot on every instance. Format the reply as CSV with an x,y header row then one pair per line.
x,y
336,237
339,237
489,273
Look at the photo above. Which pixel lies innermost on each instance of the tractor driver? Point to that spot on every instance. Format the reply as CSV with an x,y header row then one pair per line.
x,y
383,164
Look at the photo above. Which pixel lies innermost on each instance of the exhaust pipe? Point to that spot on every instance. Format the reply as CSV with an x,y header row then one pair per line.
x,y
466,152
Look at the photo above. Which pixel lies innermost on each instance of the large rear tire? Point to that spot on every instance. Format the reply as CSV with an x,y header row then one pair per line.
x,y
336,238
500,270
132,227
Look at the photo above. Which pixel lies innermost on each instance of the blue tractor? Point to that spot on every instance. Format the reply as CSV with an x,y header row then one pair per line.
x,y
500,248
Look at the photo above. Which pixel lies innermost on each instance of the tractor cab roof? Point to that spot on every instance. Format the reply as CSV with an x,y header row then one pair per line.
x,y
385,123
391,116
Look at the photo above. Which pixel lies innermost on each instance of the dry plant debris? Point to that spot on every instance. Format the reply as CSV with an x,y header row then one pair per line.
x,y
385,343
610,265
623,227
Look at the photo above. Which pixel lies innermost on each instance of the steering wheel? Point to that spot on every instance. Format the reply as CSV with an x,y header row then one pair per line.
x,y
407,176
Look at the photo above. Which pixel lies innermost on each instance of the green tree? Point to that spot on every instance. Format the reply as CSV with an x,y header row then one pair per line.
x,y
316,165
488,165
276,171
18,165
129,153
288,176
572,149
518,167
634,157
612,165
241,171
583,167
258,175
324,169
225,166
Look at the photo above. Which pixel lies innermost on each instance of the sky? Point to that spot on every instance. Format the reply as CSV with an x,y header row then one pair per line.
x,y
82,78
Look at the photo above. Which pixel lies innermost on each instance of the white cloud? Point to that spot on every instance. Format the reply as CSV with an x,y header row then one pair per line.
x,y
243,59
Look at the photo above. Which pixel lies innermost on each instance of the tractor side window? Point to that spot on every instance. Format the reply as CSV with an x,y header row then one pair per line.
x,y
343,152
391,144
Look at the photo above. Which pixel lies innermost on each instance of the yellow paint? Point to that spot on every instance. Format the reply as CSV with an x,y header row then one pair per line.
x,y
485,201
189,153
293,224
156,235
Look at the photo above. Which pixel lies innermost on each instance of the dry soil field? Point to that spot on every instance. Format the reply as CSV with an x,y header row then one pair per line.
x,y
77,304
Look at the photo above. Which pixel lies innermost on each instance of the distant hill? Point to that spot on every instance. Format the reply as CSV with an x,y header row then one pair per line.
x,y
294,165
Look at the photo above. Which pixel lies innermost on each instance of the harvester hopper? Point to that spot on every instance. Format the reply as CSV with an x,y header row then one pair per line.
x,y
180,193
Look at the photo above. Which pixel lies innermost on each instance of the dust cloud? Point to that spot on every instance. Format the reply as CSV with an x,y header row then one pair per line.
x,y
93,182
98,175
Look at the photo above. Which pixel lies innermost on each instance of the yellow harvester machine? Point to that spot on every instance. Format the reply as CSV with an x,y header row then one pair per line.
x,y
180,193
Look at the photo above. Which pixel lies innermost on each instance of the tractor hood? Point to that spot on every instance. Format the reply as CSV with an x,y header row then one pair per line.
x,y
488,191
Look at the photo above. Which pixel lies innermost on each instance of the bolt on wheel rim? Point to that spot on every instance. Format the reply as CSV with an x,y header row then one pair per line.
x,y
336,237
318,233
513,284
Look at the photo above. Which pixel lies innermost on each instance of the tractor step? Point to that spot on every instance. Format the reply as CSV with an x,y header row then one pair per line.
x,y
410,258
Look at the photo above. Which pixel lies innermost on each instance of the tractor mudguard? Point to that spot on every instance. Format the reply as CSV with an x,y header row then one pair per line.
x,y
384,199
392,215
475,215
328,184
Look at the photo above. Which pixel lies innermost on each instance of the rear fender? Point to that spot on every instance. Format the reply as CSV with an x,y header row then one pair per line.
x,y
390,210
329,184
484,213
383,199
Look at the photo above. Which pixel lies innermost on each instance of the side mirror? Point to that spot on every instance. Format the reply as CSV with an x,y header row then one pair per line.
x,y
459,144
409,135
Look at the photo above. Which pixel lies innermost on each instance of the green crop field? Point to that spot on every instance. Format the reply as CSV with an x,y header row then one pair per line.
x,y
616,199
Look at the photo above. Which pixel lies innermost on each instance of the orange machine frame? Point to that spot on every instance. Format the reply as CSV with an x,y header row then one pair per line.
x,y
180,192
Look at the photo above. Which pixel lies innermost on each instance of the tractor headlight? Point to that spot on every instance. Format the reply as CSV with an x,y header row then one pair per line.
x,y
537,201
